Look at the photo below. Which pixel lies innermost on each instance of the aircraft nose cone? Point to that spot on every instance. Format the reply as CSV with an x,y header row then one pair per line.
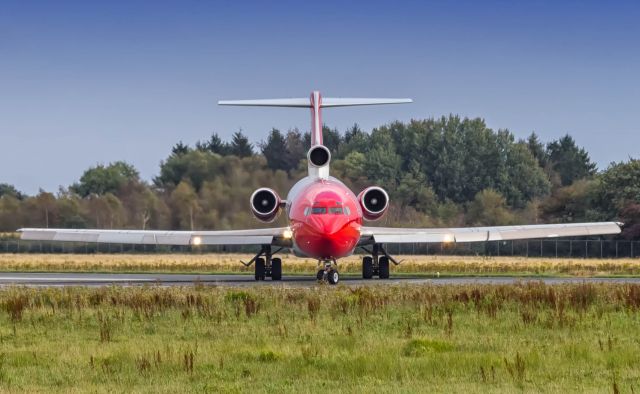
x,y
327,224
328,237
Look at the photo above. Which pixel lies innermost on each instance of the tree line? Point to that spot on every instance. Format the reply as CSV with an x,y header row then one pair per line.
x,y
449,171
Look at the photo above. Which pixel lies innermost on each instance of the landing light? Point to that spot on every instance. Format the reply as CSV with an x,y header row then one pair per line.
x,y
196,241
287,234
448,238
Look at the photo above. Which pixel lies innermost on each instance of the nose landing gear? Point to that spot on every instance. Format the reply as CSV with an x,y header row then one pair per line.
x,y
329,273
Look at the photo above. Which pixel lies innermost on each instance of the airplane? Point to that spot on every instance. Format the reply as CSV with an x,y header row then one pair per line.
x,y
325,217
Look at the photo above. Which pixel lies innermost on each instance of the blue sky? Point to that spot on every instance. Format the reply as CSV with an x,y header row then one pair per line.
x,y
93,82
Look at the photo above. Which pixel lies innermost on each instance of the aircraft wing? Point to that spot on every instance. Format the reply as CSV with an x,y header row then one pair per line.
x,y
269,236
480,234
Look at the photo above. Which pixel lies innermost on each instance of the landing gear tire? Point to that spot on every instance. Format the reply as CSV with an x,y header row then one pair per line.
x,y
276,269
333,277
320,275
367,267
260,269
383,267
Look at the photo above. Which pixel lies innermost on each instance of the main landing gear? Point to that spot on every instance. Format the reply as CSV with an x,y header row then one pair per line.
x,y
329,273
266,266
377,264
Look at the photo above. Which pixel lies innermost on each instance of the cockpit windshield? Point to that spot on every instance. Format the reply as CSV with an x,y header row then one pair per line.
x,y
324,210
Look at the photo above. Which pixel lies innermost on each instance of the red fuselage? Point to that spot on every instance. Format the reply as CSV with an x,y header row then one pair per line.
x,y
325,218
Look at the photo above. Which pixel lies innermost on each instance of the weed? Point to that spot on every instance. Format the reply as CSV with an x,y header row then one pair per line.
x,y
267,356
188,361
15,306
313,306
105,327
143,365
421,347
516,368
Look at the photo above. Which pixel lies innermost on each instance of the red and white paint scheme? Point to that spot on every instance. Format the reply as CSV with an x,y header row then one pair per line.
x,y
325,218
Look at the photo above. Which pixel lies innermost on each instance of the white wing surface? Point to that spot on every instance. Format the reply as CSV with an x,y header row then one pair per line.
x,y
481,234
269,236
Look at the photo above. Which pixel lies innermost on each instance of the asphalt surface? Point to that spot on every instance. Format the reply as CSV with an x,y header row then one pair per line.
x,y
108,279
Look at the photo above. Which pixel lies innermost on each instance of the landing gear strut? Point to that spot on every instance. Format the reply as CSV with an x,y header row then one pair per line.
x,y
266,266
329,273
377,264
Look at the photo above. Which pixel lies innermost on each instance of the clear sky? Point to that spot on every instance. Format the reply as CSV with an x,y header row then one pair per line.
x,y
92,82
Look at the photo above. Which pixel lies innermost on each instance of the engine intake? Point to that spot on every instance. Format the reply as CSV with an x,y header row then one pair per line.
x,y
319,156
374,202
265,204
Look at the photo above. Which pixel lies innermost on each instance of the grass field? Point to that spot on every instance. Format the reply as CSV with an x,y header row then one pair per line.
x,y
229,263
529,337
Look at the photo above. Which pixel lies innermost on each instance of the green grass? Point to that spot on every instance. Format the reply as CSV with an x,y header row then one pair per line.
x,y
472,338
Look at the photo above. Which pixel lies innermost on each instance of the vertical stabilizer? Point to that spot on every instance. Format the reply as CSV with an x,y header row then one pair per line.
x,y
316,118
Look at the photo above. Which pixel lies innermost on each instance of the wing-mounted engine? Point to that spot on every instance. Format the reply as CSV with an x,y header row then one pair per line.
x,y
374,202
265,204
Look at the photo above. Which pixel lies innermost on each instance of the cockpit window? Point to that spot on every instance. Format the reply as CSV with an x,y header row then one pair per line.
x,y
335,210
318,210
347,211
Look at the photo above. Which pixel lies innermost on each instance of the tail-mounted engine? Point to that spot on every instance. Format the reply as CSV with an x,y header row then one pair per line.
x,y
265,204
319,157
374,202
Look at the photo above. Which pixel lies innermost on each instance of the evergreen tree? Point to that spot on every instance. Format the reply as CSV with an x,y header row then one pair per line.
x,y
214,145
569,161
9,190
274,150
179,149
537,150
240,145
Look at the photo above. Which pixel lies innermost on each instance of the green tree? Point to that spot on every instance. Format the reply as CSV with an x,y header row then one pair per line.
x,y
102,179
569,161
618,196
46,205
184,202
295,150
180,149
571,203
10,217
274,150
194,166
619,185
489,208
240,145
9,190
214,145
538,150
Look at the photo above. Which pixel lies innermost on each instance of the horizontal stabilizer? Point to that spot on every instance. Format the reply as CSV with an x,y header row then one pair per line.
x,y
306,103
347,102
290,102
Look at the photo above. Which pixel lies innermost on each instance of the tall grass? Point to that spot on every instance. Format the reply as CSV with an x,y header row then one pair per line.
x,y
530,336
230,263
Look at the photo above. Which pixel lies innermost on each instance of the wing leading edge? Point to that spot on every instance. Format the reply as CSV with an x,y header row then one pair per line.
x,y
481,234
269,236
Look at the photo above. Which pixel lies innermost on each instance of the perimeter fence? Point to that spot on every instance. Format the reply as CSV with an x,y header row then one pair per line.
x,y
556,248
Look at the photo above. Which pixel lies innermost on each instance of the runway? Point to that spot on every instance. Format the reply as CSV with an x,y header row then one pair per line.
x,y
235,280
